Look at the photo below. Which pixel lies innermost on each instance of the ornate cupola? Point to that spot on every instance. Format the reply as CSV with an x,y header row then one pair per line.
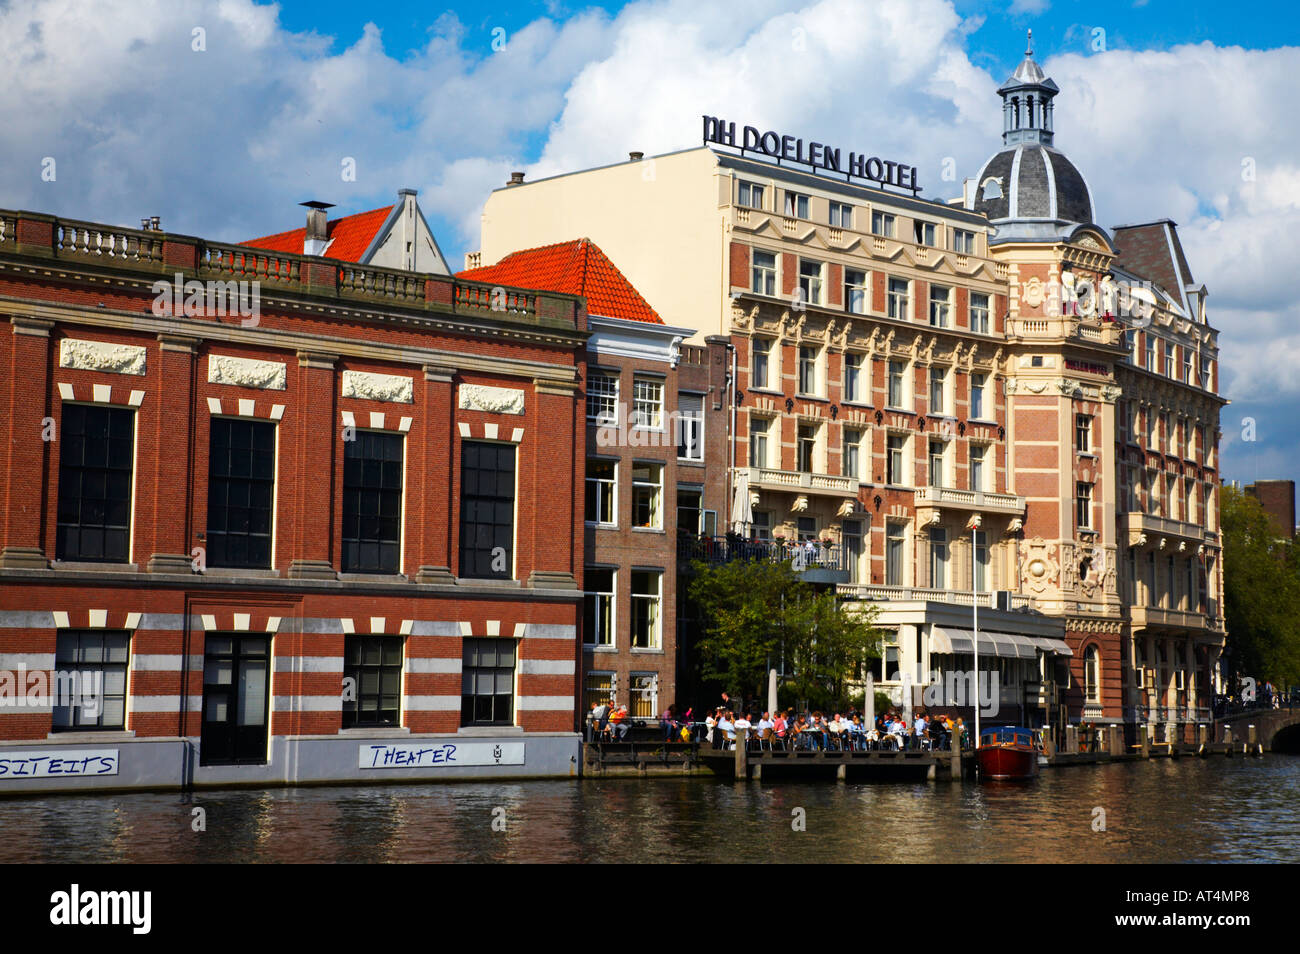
x,y
1027,102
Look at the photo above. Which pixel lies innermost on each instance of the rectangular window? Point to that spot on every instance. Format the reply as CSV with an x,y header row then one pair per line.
x,y
981,561
602,479
599,690
938,558
372,502
807,370
763,273
938,398
1131,346
940,306
598,606
978,383
1170,364
963,242
690,506
236,698
751,195
1083,433
855,291
241,491
882,224
95,463
924,233
647,495
96,697
758,433
806,448
647,403
979,314
897,299
1189,366
897,384
602,397
895,461
895,547
374,664
487,682
937,449
646,599
1083,505
806,528
852,452
853,549
762,362
1151,351
977,476
690,426
810,281
487,510
643,690
796,205
762,527
854,386
1205,373
841,215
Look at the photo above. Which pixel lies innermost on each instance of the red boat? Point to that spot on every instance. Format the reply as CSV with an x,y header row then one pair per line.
x,y
1007,752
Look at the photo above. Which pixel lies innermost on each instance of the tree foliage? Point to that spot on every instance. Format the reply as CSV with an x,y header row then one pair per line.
x,y
1261,592
757,612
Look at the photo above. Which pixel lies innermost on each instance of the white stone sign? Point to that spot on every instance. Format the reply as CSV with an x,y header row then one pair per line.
x,y
384,755
394,388
101,356
246,372
63,763
481,397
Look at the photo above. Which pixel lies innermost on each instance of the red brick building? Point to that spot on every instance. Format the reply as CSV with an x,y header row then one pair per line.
x,y
290,517
655,471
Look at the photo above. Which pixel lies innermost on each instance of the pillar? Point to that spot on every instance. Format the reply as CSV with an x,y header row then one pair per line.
x,y
436,441
25,455
173,485
316,446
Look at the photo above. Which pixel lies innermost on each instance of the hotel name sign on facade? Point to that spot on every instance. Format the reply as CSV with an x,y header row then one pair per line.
x,y
817,155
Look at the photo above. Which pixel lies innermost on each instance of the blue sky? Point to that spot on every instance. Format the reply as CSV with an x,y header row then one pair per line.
x,y
1162,111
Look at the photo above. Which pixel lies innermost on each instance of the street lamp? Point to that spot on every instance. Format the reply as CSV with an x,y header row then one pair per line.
x,y
973,526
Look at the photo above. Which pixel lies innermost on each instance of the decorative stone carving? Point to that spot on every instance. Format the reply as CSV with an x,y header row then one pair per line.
x,y
1040,568
480,397
393,388
101,356
246,372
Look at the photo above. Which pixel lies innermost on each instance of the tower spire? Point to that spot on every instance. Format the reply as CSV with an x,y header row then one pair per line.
x,y
1029,42
1027,101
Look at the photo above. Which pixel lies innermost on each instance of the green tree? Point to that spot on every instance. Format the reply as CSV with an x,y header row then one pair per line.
x,y
756,612
1261,592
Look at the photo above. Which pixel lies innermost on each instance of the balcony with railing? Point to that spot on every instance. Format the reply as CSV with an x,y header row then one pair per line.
x,y
1172,620
981,501
1146,529
795,481
1066,328
814,561
162,255
890,593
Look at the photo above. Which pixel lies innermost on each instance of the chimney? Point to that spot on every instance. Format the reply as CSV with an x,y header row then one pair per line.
x,y
635,156
516,178
155,223
317,238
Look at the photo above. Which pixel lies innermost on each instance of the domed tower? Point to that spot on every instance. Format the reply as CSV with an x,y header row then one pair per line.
x,y
1029,190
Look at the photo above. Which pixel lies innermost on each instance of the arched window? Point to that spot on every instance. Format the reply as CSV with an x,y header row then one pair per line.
x,y
1092,675
992,188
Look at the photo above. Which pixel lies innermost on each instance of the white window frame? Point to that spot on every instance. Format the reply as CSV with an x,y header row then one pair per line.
x,y
978,386
796,204
857,293
690,427
883,224
940,310
647,398
657,497
898,303
747,192
602,394
656,608
613,492
763,278
841,215
854,393
760,438
979,314
812,288
611,596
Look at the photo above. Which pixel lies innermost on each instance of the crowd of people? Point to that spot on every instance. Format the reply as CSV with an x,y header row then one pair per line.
x,y
816,731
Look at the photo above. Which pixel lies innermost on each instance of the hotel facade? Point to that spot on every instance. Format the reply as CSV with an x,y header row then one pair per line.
x,y
333,533
992,400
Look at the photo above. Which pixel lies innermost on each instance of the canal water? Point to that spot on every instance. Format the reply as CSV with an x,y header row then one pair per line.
x,y
1187,810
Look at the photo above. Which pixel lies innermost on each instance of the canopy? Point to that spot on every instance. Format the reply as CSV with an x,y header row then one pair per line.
x,y
944,640
742,508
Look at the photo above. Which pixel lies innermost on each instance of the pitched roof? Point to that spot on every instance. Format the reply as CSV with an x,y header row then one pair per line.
x,y
576,267
1153,251
349,236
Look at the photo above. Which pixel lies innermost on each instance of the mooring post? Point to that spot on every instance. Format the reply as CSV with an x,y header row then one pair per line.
x,y
1202,737
1227,740
1252,740
742,757
842,772
1072,739
1144,742
1116,738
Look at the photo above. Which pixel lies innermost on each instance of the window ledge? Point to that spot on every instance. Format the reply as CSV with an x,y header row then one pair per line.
x,y
374,577
231,571
489,730
689,462
764,390
648,530
91,735
486,581
600,526
856,403
898,410
988,422
637,651
598,648
1088,454
93,565
375,732
810,397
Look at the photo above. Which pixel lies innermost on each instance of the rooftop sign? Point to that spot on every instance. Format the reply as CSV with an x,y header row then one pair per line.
x,y
818,156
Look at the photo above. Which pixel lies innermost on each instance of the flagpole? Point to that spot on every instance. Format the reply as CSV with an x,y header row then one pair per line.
x,y
975,620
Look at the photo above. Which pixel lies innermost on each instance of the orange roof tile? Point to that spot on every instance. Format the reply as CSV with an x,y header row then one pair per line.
x,y
350,236
577,267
